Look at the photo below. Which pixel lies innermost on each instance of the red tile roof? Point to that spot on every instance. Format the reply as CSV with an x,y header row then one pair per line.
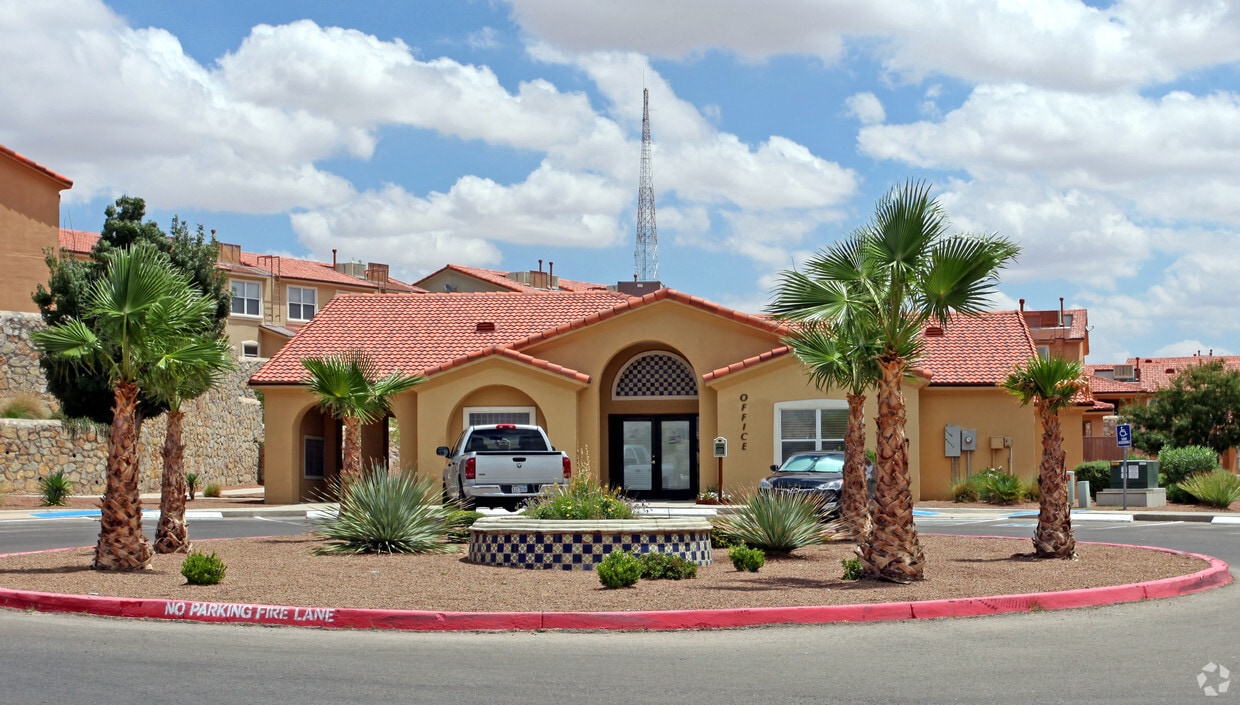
x,y
1106,385
30,163
425,333
1156,372
977,350
433,332
500,278
747,363
80,242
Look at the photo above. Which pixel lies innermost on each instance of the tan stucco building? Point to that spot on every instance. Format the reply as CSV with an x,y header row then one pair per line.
x,y
641,385
29,223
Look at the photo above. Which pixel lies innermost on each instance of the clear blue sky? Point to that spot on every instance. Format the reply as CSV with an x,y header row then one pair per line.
x,y
1104,138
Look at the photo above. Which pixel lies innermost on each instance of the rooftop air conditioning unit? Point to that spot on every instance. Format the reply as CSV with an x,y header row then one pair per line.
x,y
1123,372
356,270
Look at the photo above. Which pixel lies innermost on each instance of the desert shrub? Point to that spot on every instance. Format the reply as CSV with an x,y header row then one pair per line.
x,y
777,522
995,486
1216,489
746,559
386,512
966,491
619,569
1033,492
202,569
665,566
1177,464
718,539
581,498
1097,473
55,489
853,570
24,405
458,522
212,489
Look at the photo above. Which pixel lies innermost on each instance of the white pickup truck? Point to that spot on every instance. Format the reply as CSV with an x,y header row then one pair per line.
x,y
502,464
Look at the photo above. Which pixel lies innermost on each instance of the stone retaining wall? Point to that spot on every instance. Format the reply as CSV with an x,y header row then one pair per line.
x,y
222,429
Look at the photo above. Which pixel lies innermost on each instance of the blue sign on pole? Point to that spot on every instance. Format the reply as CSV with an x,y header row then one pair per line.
x,y
1123,435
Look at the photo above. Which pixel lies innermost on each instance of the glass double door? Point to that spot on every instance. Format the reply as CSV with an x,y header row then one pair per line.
x,y
654,457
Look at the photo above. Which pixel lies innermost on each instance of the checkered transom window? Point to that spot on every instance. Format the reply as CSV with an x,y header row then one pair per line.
x,y
656,374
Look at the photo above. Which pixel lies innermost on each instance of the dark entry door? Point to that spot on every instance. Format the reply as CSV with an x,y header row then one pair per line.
x,y
654,457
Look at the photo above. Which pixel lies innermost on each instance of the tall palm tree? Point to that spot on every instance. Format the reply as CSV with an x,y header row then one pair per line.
x,y
176,379
136,315
846,362
347,388
1050,384
897,274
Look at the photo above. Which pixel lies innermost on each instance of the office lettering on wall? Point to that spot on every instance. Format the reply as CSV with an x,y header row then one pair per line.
x,y
744,421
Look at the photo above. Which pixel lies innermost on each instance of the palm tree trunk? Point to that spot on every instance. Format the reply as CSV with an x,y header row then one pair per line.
x,y
121,543
1053,538
171,536
352,451
854,504
892,550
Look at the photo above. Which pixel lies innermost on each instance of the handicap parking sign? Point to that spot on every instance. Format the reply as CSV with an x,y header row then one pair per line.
x,y
1123,435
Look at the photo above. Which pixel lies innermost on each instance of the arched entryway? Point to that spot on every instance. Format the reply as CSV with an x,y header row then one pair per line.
x,y
652,424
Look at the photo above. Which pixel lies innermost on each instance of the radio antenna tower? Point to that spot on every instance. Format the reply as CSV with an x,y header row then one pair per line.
x,y
646,257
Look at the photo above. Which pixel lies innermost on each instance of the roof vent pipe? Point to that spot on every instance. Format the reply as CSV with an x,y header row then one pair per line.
x,y
1061,311
540,266
1022,305
550,269
333,258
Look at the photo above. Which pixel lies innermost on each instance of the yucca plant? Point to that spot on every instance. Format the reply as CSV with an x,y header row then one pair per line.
x,y
55,489
777,522
1216,489
386,512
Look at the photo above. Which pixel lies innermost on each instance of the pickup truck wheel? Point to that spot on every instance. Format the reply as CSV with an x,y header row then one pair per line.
x,y
461,499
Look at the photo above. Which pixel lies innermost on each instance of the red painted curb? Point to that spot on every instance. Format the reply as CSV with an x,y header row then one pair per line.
x,y
1215,575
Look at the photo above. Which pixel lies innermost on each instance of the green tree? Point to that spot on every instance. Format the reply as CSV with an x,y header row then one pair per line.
x,y
174,380
899,273
1050,384
846,361
347,387
1198,408
139,315
83,392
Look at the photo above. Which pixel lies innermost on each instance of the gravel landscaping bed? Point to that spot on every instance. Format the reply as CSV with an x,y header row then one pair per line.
x,y
283,571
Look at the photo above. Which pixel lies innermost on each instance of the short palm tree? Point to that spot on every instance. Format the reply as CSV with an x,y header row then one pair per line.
x,y
844,361
347,387
1050,384
135,316
175,380
899,273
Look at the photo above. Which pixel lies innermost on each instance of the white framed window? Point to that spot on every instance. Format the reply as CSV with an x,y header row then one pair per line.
x,y
1044,352
249,348
301,303
246,298
315,457
811,424
480,415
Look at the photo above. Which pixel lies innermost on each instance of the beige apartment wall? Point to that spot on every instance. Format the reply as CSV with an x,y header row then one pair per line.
x,y
993,413
29,224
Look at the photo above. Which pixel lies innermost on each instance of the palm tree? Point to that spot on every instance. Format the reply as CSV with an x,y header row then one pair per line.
x,y
343,384
899,273
136,315
175,380
1051,384
845,362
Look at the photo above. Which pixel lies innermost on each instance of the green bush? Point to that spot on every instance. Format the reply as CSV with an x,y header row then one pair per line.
x,y
718,539
383,512
619,569
777,522
1175,493
55,489
1216,489
665,566
996,486
212,489
1097,473
746,559
1177,464
966,491
201,569
582,498
458,522
853,570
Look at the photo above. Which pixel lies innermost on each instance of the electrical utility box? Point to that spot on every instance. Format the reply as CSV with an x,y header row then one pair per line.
x,y
951,441
968,439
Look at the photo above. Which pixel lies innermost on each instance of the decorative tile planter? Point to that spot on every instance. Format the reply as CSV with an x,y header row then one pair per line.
x,y
541,544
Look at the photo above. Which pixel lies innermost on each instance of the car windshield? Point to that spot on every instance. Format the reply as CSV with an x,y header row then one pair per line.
x,y
813,463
